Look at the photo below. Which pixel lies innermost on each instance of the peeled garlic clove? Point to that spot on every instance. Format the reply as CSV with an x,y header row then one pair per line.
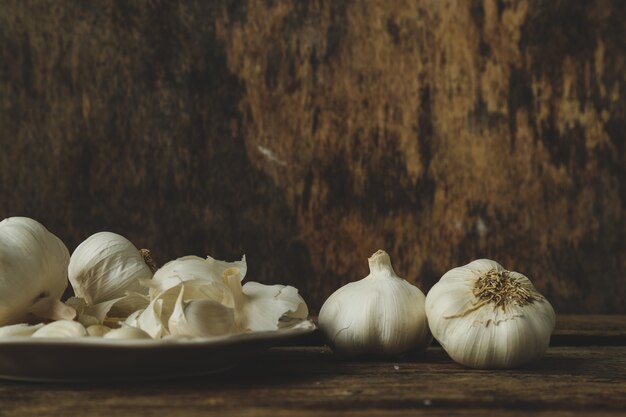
x,y
33,266
260,307
19,330
107,266
127,333
97,330
191,268
62,328
487,317
380,315
200,318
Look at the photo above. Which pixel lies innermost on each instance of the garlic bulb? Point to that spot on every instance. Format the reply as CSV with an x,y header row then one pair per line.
x,y
380,315
107,266
487,317
33,272
62,328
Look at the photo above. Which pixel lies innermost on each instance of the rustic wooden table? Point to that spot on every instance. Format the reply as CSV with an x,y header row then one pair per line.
x,y
583,373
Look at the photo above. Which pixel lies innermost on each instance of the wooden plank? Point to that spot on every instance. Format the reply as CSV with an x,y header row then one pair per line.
x,y
592,325
310,381
586,330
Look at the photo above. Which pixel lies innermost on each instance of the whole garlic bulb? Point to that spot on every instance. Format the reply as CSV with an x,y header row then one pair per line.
x,y
487,317
33,270
107,266
380,315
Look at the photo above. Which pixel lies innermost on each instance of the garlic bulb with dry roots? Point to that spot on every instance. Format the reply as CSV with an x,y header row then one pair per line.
x,y
33,272
380,315
487,317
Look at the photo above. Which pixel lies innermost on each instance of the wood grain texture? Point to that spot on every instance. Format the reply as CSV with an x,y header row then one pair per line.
x,y
310,134
310,381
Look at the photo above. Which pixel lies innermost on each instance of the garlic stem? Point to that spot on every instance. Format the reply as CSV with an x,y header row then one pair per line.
x,y
380,263
147,258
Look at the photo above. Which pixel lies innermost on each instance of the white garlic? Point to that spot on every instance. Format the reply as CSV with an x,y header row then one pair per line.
x,y
200,318
260,307
126,333
97,314
487,317
33,272
199,297
380,315
98,330
61,328
19,330
191,268
107,266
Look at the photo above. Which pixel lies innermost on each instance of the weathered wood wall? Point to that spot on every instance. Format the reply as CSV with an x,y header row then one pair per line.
x,y
310,134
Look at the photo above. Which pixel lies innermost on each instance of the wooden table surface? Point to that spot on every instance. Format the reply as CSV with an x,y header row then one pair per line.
x,y
571,380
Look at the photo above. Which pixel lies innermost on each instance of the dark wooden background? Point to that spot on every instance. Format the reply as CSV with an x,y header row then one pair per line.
x,y
310,134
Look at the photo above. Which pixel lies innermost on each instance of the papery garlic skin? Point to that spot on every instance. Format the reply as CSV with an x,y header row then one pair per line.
x,y
196,297
33,267
107,266
193,268
200,318
260,307
98,330
380,315
481,327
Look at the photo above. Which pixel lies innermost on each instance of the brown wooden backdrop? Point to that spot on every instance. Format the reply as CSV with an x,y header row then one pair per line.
x,y
308,134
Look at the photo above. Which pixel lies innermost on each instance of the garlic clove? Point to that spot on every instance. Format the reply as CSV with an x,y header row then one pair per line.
x,y
219,268
120,307
98,330
261,307
150,320
156,317
128,304
127,333
61,328
200,318
106,266
19,330
379,315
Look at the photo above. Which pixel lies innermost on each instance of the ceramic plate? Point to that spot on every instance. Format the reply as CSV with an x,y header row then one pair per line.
x,y
97,359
